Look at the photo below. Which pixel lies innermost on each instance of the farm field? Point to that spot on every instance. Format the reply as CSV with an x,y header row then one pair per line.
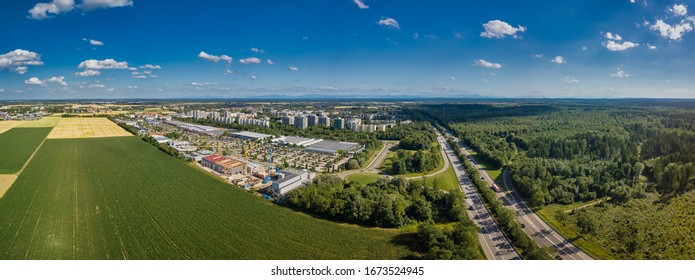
x,y
43,122
121,198
7,125
86,128
17,145
6,181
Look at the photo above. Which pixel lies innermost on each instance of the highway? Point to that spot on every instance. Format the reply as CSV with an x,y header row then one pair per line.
x,y
495,245
534,227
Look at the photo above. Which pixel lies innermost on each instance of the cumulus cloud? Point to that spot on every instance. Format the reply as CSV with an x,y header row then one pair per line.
x,y
538,55
89,5
88,73
499,29
33,81
679,10
252,77
257,50
250,60
452,78
620,74
571,80
270,62
292,68
611,36
132,87
150,66
95,42
48,10
19,59
215,58
140,77
486,64
361,4
59,80
389,23
613,46
672,32
651,47
96,86
108,63
558,60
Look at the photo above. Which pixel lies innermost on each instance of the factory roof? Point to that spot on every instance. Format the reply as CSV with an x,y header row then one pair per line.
x,y
327,145
250,134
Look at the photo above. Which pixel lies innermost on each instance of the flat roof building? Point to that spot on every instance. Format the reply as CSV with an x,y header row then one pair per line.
x,y
250,136
290,180
222,164
332,147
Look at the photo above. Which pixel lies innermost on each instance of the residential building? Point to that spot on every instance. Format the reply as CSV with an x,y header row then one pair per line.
x,y
301,122
312,120
339,123
288,120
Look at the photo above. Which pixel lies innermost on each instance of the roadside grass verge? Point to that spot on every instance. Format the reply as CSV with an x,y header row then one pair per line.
x,y
572,234
445,181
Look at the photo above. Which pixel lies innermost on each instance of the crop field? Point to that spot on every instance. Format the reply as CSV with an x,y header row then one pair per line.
x,y
86,128
121,198
43,122
7,125
17,145
6,181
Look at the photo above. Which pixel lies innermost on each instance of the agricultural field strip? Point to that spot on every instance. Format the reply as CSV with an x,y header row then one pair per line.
x,y
86,128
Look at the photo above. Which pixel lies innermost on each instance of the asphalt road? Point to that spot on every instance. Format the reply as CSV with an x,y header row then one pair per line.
x,y
374,165
495,244
534,227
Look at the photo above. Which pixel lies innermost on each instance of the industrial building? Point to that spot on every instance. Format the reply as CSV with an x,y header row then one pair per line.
x,y
250,136
223,165
290,180
202,129
301,122
296,141
324,121
332,147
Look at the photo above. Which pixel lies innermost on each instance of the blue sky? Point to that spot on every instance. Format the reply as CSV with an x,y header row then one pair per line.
x,y
168,49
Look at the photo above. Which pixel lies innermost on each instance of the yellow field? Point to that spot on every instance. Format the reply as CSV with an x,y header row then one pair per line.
x,y
6,182
7,125
86,128
43,122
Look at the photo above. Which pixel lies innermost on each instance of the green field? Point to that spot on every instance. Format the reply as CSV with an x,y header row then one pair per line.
x,y
121,198
385,166
17,145
445,181
363,178
587,244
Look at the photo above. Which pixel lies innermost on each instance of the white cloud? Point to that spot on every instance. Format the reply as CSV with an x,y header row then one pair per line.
x,y
132,87
679,10
305,38
361,4
613,46
291,68
88,73
88,5
452,78
60,80
215,58
500,29
486,64
558,60
651,47
140,77
132,69
611,36
257,50
19,59
2,89
48,10
108,63
620,74
571,80
538,55
458,34
672,32
95,42
250,60
96,86
150,66
389,23
252,77
584,48
201,84
33,81
110,89
270,62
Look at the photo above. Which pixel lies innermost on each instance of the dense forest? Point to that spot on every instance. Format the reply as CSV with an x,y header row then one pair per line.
x,y
569,153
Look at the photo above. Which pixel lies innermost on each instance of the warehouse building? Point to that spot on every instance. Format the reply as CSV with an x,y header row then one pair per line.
x,y
296,141
250,136
289,180
333,147
223,165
